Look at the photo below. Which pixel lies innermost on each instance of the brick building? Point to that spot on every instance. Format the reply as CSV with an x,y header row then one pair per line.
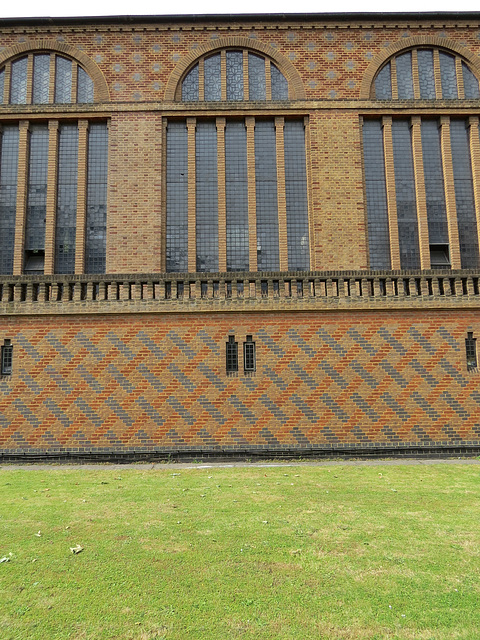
x,y
240,234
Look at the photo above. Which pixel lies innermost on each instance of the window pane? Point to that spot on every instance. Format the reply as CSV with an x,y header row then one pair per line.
x,y
279,84
296,196
234,75
236,196
462,175
41,79
266,192
404,76
66,199
257,86
190,86
448,76
63,80
84,87
177,197
383,84
426,75
213,87
206,196
375,187
405,191
18,87
470,83
434,186
95,241
8,196
37,189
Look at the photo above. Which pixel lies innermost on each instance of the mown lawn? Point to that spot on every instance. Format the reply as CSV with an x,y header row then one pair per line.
x,y
299,552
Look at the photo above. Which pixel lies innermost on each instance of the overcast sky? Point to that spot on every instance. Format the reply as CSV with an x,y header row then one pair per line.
x,y
59,8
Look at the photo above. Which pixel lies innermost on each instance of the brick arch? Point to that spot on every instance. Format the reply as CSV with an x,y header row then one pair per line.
x,y
101,92
296,89
434,42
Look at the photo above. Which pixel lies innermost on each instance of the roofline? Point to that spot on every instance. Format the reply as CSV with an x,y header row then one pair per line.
x,y
248,17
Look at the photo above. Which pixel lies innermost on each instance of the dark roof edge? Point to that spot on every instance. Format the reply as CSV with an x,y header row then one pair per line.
x,y
248,17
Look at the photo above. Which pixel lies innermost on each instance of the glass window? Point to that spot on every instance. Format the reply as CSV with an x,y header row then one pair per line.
x,y
232,355
404,76
63,80
8,195
41,78
18,83
249,359
236,191
234,75
471,351
66,218
257,84
190,86
6,358
85,92
426,74
96,226
213,83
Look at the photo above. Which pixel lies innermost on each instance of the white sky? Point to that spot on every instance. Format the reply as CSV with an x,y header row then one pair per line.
x,y
58,8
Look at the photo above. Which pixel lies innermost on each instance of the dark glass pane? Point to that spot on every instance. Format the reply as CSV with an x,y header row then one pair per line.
x,y
213,86
405,191
434,186
404,76
41,78
296,196
249,356
236,180
257,86
462,175
63,80
448,76
231,353
66,219
383,84
190,86
37,189
470,83
279,84
426,75
96,232
376,192
8,196
234,75
206,196
84,87
2,85
177,197
7,359
266,192
18,82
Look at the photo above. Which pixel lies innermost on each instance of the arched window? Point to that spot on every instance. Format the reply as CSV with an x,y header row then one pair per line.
x,y
234,75
45,78
424,73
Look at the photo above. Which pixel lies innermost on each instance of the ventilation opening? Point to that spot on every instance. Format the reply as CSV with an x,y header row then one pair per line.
x,y
34,262
439,256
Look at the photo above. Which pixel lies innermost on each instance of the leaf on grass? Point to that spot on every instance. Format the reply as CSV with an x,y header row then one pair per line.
x,y
5,559
76,550
37,534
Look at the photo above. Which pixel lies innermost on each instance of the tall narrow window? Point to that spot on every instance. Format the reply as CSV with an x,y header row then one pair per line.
x,y
296,196
96,233
8,195
236,191
66,199
177,197
41,78
206,196
249,356
6,358
471,351
63,80
36,200
232,355
266,191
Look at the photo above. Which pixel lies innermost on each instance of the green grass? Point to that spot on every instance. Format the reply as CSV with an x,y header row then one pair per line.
x,y
337,552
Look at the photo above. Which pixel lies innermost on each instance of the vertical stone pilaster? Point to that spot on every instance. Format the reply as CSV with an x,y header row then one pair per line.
x,y
51,88
281,195
7,83
420,194
475,155
21,209
201,80
192,179
252,194
391,193
222,202
416,79
223,74
51,205
437,74
81,196
393,69
246,88
30,78
448,179
308,160
75,68
459,73
268,79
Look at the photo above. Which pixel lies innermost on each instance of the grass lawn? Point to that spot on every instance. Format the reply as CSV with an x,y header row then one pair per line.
x,y
337,552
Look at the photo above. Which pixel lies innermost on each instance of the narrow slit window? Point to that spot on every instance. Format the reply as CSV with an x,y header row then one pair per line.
x,y
7,358
471,351
249,359
232,355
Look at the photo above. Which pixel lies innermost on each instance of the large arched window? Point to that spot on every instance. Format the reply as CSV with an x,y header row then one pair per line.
x,y
45,78
424,73
234,75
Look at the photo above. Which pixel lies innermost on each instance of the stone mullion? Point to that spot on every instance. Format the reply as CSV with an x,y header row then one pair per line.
x,y
223,74
450,202
268,79
391,193
246,88
475,156
7,83
281,195
192,214
21,208
51,87
81,196
416,79
459,74
420,193
252,195
222,202
51,204
75,69
393,70
29,99
201,80
437,74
